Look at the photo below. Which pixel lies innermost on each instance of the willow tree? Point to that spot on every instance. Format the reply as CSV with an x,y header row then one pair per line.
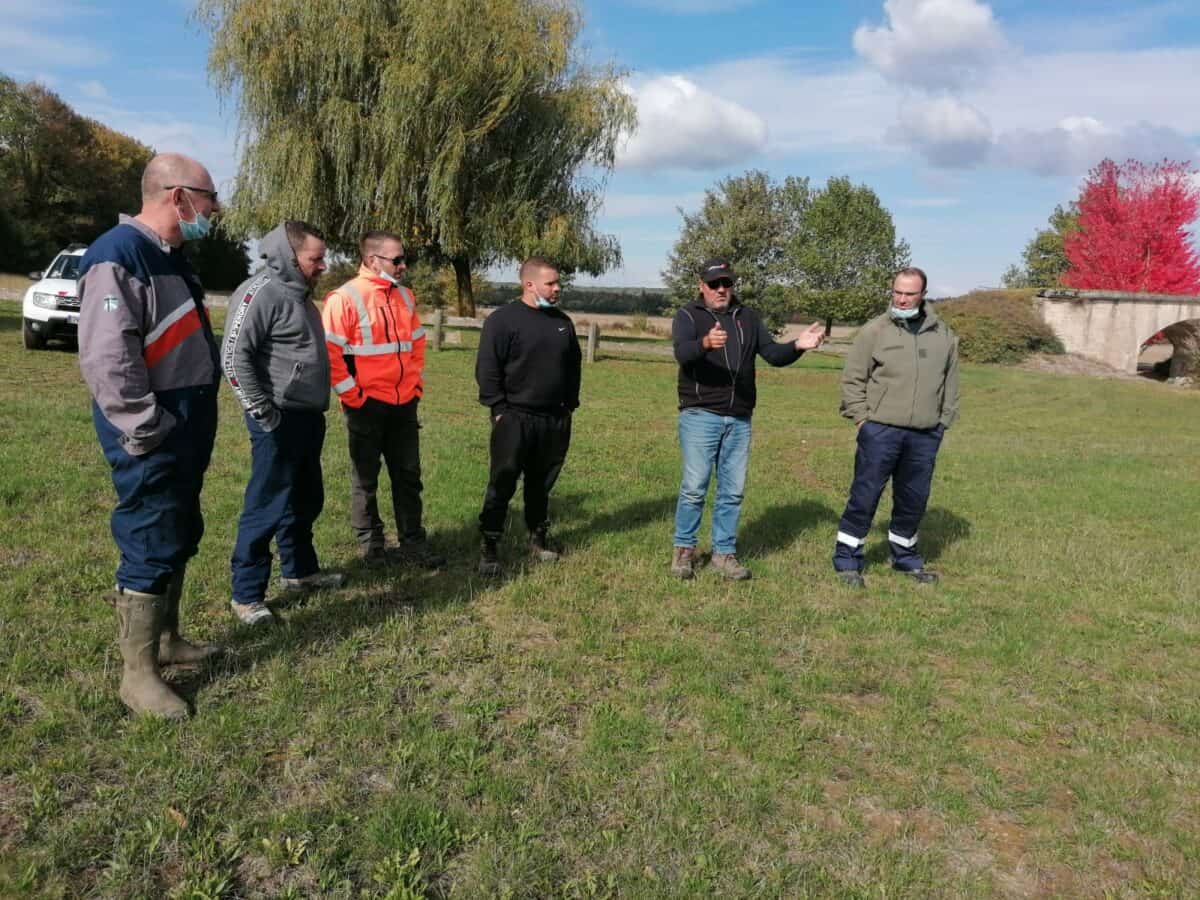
x,y
471,127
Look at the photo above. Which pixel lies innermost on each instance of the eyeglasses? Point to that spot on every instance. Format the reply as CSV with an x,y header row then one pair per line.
x,y
211,195
394,260
719,283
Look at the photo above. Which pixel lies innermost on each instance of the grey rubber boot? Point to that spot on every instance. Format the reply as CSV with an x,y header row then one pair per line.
x,y
139,617
173,649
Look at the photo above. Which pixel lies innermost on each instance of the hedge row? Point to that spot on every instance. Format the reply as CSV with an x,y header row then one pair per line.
x,y
998,326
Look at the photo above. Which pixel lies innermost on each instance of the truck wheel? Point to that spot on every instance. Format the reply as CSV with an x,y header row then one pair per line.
x,y
33,340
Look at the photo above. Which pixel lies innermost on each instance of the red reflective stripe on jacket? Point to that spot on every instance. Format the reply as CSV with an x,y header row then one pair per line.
x,y
175,335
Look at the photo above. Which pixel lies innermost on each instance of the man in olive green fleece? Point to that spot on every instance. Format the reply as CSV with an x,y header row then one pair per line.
x,y
900,388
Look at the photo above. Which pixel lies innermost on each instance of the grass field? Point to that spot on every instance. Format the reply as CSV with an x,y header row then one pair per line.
x,y
596,729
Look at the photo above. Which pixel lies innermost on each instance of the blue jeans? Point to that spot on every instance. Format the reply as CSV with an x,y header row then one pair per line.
x,y
284,497
710,440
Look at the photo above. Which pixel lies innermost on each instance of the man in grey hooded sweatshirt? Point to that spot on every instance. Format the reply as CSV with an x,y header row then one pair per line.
x,y
275,360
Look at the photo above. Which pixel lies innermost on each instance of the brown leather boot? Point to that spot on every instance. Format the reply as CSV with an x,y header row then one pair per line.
x,y
729,567
173,649
683,562
139,617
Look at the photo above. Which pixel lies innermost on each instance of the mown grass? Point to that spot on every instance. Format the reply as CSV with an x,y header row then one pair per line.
x,y
597,729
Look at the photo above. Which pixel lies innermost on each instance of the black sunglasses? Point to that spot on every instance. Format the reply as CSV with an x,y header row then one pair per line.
x,y
719,283
212,195
394,260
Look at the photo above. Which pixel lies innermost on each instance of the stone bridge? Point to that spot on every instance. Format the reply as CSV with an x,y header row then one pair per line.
x,y
1112,327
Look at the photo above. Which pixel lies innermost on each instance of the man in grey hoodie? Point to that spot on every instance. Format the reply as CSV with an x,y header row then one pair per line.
x,y
275,360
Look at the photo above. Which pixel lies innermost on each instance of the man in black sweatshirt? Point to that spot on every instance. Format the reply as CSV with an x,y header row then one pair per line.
x,y
716,340
528,371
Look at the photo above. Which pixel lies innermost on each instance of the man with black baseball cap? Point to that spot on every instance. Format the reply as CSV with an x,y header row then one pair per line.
x,y
716,340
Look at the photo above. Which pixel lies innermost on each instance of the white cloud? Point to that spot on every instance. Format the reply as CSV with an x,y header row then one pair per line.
x,y
680,125
94,90
945,131
1079,142
20,45
932,43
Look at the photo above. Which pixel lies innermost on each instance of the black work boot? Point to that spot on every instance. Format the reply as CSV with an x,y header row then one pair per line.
x,y
920,576
489,557
541,547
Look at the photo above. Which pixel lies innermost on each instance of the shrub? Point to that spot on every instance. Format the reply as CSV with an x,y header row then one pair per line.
x,y
998,326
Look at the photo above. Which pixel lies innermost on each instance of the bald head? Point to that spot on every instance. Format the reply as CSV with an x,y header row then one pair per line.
x,y
170,169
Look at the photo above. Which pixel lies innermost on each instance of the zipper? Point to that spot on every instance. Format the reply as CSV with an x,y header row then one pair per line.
x,y
916,377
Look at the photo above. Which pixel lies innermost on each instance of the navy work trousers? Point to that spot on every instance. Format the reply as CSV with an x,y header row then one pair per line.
x,y
284,496
523,444
157,523
907,457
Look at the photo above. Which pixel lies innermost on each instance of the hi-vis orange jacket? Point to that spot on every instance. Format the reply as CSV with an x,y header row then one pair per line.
x,y
375,340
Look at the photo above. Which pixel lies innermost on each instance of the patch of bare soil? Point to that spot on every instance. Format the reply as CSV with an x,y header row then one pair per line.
x,y
1070,364
10,826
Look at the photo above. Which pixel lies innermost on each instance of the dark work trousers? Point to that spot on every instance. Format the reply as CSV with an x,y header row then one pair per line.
x,y
523,444
384,430
906,456
283,498
157,523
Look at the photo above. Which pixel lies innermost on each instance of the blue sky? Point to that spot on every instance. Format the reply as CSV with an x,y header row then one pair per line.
x,y
970,119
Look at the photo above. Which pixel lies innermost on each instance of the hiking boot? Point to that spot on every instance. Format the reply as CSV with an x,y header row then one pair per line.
x,y
729,567
852,578
683,562
139,620
920,576
419,554
541,547
489,558
173,649
314,582
373,555
253,614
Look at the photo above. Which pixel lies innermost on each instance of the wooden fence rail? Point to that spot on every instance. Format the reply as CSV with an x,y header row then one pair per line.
x,y
618,343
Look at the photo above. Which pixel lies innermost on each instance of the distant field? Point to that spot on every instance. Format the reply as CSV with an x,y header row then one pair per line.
x,y
1030,727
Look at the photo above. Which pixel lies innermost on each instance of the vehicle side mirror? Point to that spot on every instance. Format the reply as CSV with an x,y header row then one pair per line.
x,y
36,276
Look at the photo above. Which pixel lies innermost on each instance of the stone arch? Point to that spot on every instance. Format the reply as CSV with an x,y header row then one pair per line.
x,y
1184,337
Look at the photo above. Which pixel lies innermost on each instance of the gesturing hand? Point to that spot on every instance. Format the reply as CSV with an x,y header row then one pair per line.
x,y
715,339
811,337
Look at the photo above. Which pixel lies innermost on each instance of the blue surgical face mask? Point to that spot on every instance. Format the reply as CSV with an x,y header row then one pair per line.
x,y
194,231
544,303
903,314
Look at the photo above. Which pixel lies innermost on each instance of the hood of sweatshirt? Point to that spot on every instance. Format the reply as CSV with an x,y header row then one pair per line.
x,y
281,260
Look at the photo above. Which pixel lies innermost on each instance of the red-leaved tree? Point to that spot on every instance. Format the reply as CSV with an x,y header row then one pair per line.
x,y
1132,233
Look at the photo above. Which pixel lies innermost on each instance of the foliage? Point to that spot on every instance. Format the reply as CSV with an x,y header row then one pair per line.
x,y
1133,229
597,721
1044,260
575,298
435,285
466,126
66,178
998,326
825,253
220,261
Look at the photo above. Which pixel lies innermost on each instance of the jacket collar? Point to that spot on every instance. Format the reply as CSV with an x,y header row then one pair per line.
x,y
373,277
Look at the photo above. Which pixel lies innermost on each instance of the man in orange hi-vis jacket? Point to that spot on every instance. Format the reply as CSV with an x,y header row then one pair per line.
x,y
376,358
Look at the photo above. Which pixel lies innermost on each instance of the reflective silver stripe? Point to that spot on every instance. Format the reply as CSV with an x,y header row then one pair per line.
x,y
342,386
364,320
419,334
380,349
175,315
848,540
333,338
408,298
902,541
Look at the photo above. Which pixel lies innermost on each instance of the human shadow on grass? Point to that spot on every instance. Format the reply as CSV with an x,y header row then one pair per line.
x,y
939,529
780,525
580,529
372,595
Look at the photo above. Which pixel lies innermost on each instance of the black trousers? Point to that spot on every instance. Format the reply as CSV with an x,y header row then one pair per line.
x,y
383,431
523,444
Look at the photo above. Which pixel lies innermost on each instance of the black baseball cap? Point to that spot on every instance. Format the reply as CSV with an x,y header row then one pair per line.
x,y
715,269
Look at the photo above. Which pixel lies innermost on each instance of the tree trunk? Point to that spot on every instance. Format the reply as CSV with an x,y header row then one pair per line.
x,y
828,327
466,292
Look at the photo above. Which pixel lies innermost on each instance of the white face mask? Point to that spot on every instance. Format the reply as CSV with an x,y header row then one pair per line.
x,y
386,277
902,314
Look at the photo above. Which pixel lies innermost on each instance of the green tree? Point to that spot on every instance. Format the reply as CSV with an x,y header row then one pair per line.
x,y
220,261
826,252
471,127
1044,261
